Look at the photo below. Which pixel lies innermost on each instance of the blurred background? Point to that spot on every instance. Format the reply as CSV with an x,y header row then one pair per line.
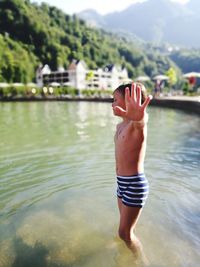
x,y
98,45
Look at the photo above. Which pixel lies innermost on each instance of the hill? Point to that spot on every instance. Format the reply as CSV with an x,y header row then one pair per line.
x,y
31,34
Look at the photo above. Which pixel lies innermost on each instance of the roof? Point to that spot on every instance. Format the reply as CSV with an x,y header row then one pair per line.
x,y
74,64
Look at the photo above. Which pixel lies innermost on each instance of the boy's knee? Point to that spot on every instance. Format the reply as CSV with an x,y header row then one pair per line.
x,y
125,234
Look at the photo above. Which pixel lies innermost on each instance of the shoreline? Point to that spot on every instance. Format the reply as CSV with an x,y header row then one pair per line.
x,y
185,103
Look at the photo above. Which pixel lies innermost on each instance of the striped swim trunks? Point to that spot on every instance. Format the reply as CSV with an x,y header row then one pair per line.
x,y
133,190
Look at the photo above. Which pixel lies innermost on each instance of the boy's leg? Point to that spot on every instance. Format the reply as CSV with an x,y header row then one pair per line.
x,y
119,201
128,220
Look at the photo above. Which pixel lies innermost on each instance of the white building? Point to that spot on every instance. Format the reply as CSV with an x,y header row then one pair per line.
x,y
40,72
80,77
77,72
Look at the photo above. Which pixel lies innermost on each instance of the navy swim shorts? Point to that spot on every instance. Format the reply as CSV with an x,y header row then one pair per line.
x,y
133,190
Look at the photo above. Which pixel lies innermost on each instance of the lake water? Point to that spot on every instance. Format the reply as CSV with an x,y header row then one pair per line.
x,y
57,187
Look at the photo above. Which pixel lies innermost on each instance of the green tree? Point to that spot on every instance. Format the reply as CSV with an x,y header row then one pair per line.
x,y
171,73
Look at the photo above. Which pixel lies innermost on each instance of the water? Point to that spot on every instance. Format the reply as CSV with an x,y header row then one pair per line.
x,y
57,187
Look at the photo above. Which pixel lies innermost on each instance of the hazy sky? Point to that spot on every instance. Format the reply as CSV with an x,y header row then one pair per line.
x,y
102,6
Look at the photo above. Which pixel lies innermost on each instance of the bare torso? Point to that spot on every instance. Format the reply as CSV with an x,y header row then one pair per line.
x,y
130,147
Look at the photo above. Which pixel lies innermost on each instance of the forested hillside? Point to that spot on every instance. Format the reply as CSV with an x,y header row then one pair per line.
x,y
31,34
187,59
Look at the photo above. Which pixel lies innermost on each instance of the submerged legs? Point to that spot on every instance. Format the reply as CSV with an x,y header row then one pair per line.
x,y
128,220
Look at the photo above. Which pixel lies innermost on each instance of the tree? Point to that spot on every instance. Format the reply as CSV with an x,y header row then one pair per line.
x,y
171,73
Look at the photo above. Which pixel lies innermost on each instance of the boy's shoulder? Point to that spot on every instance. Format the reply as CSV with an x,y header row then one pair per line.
x,y
124,126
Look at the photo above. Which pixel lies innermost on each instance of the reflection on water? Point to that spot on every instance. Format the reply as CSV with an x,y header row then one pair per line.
x,y
57,194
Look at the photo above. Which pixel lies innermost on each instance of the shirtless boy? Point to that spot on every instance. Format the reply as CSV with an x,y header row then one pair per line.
x,y
130,104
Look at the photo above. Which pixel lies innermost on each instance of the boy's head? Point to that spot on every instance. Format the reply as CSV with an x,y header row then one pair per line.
x,y
121,90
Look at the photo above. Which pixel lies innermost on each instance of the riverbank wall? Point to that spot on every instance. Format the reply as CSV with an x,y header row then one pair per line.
x,y
189,104
185,103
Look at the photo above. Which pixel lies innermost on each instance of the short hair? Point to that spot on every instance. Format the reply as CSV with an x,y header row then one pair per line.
x,y
122,87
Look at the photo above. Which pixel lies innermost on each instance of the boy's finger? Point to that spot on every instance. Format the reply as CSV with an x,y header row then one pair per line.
x,y
139,94
146,102
119,111
127,94
133,91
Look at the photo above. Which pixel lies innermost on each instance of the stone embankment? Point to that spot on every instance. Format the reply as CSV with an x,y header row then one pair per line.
x,y
187,103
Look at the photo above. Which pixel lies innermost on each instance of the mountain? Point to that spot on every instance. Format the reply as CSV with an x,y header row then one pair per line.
x,y
156,21
94,18
32,34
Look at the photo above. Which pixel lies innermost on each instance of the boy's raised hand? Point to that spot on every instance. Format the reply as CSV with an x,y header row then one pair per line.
x,y
135,111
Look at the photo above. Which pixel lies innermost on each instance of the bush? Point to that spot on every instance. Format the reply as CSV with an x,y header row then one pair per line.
x,y
20,91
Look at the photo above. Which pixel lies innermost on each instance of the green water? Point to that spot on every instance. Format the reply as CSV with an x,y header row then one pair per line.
x,y
57,187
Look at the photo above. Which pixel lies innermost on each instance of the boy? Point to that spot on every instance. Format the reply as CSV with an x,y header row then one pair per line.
x,y
130,103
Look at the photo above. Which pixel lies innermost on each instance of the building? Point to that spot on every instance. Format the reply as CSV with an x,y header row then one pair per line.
x,y
79,76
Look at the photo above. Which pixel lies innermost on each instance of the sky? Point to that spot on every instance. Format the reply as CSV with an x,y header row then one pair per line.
x,y
101,6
